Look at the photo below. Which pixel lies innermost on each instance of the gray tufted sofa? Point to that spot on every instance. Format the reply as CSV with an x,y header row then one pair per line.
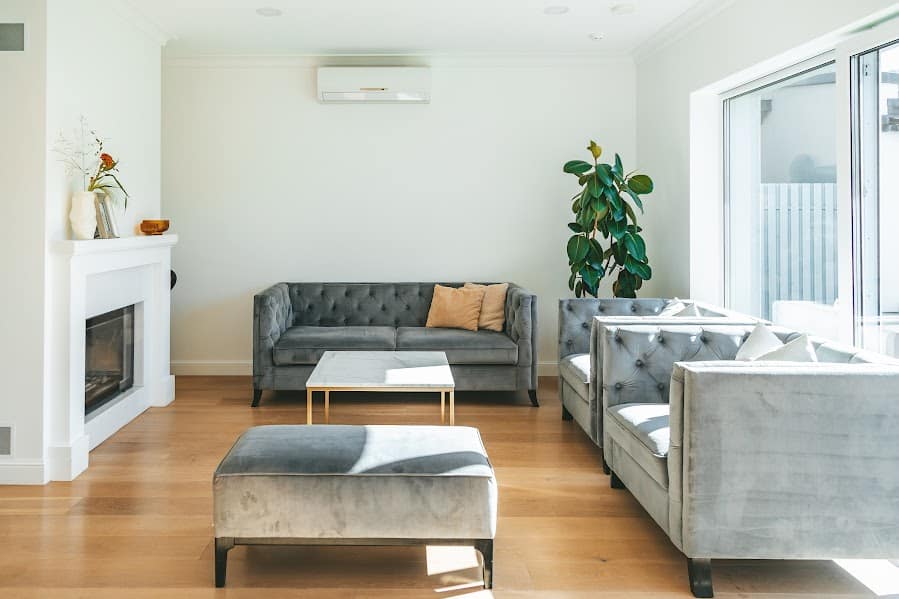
x,y
295,323
580,356
753,460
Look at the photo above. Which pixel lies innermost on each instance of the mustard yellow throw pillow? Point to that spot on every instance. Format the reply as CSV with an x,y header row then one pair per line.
x,y
455,308
493,309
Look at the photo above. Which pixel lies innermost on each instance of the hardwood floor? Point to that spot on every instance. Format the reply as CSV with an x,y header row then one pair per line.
x,y
138,522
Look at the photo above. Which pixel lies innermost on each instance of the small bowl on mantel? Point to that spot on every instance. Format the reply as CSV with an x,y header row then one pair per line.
x,y
154,227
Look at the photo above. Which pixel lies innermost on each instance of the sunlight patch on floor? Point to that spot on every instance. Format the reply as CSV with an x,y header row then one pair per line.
x,y
451,559
879,575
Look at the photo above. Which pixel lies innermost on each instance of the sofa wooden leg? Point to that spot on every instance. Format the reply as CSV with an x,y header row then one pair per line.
x,y
700,572
485,546
257,395
532,393
616,482
222,546
566,415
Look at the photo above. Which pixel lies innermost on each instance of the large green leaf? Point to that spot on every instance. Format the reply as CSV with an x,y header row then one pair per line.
x,y
635,245
577,167
594,187
578,246
571,280
604,171
640,184
576,227
618,169
590,277
638,268
594,256
617,228
634,197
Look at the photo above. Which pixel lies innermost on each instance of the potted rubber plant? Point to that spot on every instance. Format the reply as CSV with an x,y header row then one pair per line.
x,y
606,238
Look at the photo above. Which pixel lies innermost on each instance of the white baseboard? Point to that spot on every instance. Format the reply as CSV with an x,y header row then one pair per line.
x,y
165,393
66,462
245,368
23,472
547,368
212,367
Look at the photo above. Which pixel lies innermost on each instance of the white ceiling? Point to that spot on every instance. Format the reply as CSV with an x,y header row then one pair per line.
x,y
413,27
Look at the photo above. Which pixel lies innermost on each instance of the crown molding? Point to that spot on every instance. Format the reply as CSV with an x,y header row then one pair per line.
x,y
129,12
410,60
677,29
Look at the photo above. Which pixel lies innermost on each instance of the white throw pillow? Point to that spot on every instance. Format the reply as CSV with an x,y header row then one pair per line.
x,y
689,311
797,350
672,307
760,341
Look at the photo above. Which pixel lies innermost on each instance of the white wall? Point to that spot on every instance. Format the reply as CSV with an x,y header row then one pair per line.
x,y
263,184
22,117
114,80
743,34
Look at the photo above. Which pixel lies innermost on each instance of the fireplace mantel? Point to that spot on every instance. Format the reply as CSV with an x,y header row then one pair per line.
x,y
101,275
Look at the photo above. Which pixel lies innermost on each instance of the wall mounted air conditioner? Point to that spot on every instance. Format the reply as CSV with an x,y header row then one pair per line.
x,y
393,85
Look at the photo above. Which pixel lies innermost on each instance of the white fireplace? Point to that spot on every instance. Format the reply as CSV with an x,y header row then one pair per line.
x,y
103,275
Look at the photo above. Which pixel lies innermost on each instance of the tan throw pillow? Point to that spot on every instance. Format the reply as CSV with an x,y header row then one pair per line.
x,y
493,310
455,308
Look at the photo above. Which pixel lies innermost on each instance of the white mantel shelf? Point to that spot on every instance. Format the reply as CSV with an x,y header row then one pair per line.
x,y
73,247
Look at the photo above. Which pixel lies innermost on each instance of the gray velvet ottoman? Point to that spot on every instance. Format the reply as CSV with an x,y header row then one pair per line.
x,y
355,485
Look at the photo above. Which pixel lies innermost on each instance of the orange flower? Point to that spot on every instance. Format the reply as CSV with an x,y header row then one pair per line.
x,y
107,161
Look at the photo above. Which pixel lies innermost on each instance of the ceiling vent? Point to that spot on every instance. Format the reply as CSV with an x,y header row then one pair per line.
x,y
374,85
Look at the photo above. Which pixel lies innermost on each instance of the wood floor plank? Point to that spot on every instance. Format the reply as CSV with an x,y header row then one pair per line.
x,y
138,523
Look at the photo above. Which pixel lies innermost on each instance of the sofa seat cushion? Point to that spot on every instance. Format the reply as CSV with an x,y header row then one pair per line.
x,y
461,347
575,370
641,429
356,482
307,344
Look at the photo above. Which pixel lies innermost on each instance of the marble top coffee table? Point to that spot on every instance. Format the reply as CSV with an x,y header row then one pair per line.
x,y
397,371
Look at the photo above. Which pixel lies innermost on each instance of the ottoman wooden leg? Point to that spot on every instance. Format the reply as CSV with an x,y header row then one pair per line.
x,y
222,546
485,546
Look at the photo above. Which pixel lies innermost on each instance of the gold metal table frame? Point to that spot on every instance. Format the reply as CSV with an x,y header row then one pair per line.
x,y
402,389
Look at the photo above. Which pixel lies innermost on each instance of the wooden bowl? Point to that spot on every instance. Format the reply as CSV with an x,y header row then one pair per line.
x,y
154,227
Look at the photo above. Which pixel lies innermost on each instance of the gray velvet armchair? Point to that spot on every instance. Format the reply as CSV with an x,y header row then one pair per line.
x,y
753,460
295,323
580,357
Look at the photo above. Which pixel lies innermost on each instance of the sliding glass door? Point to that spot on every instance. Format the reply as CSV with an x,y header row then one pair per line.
x,y
875,109
781,200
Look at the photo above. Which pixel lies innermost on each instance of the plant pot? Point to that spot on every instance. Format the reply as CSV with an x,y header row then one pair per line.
x,y
83,215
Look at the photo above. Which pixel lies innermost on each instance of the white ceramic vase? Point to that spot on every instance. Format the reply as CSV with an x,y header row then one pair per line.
x,y
84,214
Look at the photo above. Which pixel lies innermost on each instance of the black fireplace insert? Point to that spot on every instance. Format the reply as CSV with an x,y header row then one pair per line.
x,y
109,357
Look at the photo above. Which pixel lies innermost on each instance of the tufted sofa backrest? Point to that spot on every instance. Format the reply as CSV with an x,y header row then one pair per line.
x,y
576,318
362,304
637,360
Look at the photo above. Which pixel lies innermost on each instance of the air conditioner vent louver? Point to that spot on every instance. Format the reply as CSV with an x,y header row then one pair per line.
x,y
385,85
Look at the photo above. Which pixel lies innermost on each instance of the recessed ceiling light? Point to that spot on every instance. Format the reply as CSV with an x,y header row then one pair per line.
x,y
625,8
268,11
556,9
597,36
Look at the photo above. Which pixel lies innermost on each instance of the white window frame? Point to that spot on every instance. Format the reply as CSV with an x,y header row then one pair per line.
x,y
708,276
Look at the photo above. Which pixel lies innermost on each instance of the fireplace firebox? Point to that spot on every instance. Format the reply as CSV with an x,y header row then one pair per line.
x,y
109,357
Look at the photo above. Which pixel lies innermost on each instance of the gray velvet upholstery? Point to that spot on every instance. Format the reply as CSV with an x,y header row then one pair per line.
x,y
295,323
746,460
356,482
577,336
306,344
460,346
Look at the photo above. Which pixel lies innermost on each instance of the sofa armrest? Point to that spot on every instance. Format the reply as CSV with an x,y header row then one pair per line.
x,y
784,460
521,326
272,314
